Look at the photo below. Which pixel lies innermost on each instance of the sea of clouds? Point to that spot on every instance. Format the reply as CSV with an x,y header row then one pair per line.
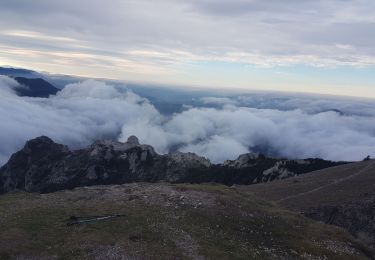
x,y
294,127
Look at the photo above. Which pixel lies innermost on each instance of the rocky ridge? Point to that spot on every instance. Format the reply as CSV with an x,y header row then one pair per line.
x,y
45,166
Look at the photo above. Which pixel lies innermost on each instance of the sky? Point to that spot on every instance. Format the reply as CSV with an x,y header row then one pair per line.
x,y
317,46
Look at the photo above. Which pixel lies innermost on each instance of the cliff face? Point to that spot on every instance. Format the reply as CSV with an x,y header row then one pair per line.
x,y
44,166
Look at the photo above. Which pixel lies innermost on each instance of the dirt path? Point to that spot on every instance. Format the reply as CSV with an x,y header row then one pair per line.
x,y
329,184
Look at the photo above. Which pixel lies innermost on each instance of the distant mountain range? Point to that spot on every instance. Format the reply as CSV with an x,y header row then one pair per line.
x,y
35,87
33,84
18,72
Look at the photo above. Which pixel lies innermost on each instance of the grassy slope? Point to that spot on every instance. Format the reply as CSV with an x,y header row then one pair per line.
x,y
332,186
173,221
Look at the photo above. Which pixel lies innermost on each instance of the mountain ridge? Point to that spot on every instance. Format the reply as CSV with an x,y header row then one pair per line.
x,y
45,166
35,87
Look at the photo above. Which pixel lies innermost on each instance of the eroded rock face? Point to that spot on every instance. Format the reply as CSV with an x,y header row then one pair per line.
x,y
244,160
44,166
266,169
182,166
30,164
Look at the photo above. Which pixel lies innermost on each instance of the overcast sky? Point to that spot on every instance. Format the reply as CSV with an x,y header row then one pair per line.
x,y
322,46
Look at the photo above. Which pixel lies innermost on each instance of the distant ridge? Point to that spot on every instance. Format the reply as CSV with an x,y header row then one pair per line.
x,y
17,72
35,87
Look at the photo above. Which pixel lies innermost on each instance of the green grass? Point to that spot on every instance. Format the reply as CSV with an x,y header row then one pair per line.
x,y
234,226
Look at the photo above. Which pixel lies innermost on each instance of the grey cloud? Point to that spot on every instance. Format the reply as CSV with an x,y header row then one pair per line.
x,y
218,101
206,29
358,36
309,103
240,7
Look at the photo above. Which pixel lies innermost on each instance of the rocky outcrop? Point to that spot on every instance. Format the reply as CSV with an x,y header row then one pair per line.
x,y
254,168
30,164
44,166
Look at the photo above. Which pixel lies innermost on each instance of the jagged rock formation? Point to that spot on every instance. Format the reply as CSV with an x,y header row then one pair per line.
x,y
44,166
256,168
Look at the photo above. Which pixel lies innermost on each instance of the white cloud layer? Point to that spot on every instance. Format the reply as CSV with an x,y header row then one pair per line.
x,y
91,110
79,114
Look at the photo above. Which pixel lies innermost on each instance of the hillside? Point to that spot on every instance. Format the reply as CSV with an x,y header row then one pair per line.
x,y
35,87
342,196
173,221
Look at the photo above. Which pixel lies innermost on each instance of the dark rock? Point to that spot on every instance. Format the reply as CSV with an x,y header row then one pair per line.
x,y
133,140
44,166
34,163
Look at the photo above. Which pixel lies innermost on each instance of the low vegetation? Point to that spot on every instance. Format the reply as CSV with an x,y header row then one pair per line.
x,y
164,221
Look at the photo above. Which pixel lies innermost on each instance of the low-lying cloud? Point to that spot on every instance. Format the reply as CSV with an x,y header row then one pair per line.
x,y
90,110
76,116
